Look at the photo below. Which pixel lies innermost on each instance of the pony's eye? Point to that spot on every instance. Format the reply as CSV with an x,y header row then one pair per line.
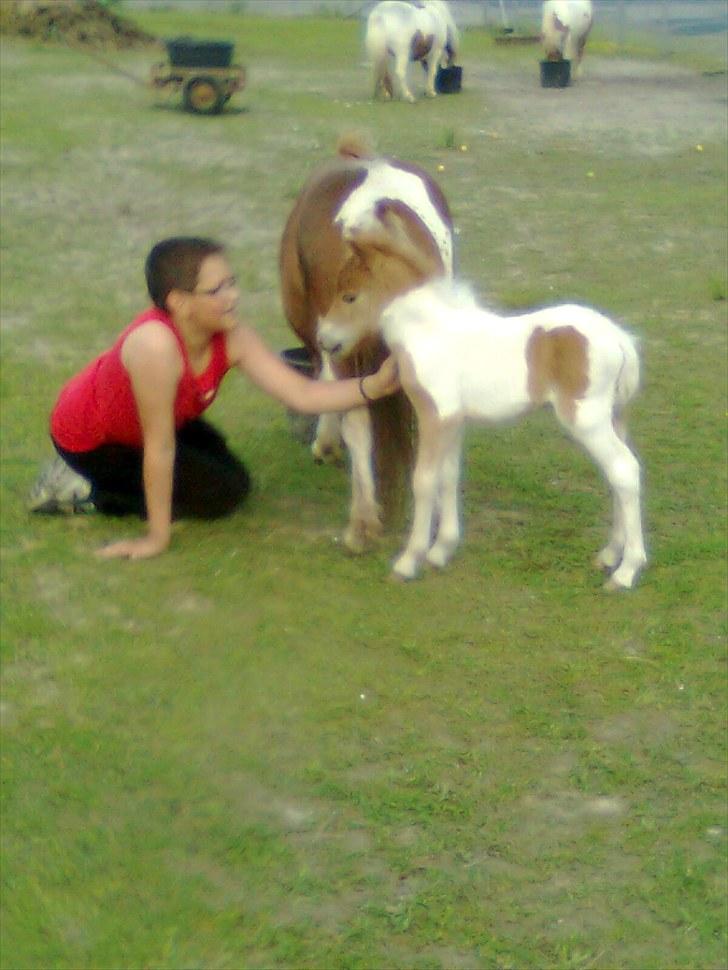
x,y
349,297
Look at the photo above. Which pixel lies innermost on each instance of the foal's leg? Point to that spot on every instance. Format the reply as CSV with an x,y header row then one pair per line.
x,y
448,530
364,517
426,483
622,471
611,555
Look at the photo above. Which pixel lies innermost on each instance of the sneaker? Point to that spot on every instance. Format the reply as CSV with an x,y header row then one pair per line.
x,y
59,489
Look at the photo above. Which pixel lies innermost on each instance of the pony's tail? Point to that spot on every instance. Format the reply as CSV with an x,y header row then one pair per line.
x,y
354,144
394,433
394,439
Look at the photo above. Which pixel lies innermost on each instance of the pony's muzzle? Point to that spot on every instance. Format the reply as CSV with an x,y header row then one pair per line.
x,y
332,349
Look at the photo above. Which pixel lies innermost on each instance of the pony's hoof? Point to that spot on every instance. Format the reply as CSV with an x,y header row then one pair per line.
x,y
327,454
613,585
354,543
360,536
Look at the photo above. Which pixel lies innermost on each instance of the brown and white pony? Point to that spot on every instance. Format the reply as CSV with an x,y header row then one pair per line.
x,y
363,230
399,33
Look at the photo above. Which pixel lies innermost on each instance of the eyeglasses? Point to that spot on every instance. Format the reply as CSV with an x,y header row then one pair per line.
x,y
227,284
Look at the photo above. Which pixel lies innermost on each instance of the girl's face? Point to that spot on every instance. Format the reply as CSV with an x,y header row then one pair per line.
x,y
214,299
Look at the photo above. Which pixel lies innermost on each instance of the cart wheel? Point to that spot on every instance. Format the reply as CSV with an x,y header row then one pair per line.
x,y
202,95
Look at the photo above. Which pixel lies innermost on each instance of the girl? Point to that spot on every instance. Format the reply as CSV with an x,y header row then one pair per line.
x,y
130,424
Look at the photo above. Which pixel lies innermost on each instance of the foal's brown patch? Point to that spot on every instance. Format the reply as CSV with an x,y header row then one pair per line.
x,y
557,362
421,45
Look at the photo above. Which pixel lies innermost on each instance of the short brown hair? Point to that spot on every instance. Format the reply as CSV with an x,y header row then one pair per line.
x,y
174,264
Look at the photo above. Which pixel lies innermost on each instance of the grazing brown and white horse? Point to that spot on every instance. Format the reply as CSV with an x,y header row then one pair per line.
x,y
363,230
399,33
565,28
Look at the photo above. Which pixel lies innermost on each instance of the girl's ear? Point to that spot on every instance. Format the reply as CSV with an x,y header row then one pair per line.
x,y
175,301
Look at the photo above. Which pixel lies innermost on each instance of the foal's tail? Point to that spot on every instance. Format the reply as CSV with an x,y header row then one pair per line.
x,y
628,380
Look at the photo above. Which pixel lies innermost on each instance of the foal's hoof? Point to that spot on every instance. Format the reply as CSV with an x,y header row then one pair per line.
x,y
439,558
614,585
607,560
405,569
398,579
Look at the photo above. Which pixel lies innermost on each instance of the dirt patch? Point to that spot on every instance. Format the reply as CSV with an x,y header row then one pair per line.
x,y
78,22
620,105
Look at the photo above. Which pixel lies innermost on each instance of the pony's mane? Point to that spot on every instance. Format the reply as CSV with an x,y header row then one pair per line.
x,y
417,304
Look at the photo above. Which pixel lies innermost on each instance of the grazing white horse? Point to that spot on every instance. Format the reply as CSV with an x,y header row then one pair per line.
x,y
565,27
458,361
399,32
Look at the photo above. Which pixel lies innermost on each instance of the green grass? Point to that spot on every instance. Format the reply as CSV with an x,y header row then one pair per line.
x,y
255,750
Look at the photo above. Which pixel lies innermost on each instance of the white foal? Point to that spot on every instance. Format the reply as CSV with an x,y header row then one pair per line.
x,y
459,361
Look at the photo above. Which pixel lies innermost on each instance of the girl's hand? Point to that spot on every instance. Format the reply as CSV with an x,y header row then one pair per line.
x,y
144,548
384,382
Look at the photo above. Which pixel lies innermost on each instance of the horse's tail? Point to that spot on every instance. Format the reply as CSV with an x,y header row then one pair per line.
x,y
354,144
393,439
394,431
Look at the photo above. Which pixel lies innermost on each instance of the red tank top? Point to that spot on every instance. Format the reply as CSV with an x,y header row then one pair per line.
x,y
97,406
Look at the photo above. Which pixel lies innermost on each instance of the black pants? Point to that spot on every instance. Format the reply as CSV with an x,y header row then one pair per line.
x,y
209,481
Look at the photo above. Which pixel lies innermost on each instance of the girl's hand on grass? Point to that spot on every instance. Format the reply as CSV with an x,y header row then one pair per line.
x,y
144,548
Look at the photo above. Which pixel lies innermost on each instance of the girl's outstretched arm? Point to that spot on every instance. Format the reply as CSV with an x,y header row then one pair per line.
x,y
266,370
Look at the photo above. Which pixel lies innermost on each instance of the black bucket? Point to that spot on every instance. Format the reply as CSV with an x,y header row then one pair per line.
x,y
449,80
302,426
555,74
188,52
300,359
